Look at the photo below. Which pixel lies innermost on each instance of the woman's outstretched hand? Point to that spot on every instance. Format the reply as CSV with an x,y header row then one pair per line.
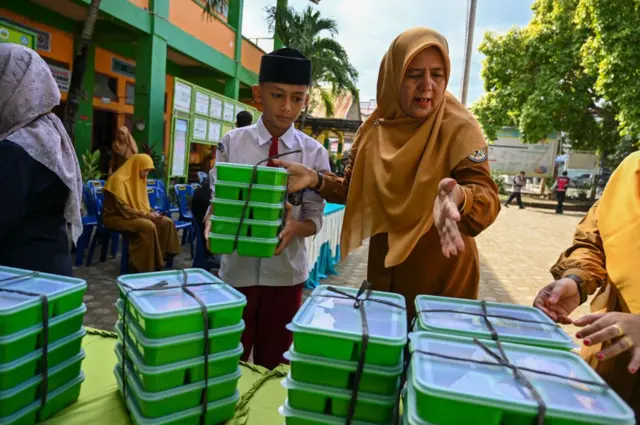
x,y
446,216
622,330
300,177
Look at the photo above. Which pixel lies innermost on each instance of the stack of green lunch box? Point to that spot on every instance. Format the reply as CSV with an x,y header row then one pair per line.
x,y
263,208
164,366
327,341
452,380
22,343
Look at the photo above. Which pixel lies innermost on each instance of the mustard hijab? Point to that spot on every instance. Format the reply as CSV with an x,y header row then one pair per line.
x,y
124,145
127,185
401,160
619,226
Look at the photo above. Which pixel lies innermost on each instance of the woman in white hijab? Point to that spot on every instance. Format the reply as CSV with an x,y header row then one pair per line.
x,y
40,180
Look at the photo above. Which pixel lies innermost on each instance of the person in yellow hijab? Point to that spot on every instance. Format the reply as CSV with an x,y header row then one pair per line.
x,y
122,149
152,236
604,258
418,181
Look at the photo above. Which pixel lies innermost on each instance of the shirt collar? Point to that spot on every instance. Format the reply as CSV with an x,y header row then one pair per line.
x,y
264,136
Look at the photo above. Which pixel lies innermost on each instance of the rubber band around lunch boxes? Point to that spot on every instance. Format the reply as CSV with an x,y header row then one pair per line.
x,y
365,289
246,201
45,328
503,361
163,285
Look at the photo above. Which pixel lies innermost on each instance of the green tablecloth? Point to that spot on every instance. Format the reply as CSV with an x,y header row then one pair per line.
x,y
101,403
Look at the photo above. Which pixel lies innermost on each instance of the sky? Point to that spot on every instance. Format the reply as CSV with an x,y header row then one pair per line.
x,y
367,28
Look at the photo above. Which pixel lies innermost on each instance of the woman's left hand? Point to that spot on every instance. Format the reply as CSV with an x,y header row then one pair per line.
x,y
621,329
446,216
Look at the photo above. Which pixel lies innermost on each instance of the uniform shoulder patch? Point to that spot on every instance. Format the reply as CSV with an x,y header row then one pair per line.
x,y
478,156
220,147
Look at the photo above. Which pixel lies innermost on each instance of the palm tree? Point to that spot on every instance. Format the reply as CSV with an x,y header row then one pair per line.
x,y
79,68
213,6
333,73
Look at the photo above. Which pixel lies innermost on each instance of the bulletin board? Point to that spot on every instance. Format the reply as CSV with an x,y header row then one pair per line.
x,y
199,116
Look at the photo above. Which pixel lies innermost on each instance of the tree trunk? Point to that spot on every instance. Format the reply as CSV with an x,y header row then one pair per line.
x,y
79,68
596,178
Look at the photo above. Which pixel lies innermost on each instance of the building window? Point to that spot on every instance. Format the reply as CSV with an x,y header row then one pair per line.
x,y
130,93
105,87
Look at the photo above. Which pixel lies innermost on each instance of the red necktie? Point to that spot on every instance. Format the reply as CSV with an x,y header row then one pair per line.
x,y
273,150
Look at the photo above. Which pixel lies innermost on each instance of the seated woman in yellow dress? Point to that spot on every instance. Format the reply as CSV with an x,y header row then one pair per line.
x,y
604,257
152,236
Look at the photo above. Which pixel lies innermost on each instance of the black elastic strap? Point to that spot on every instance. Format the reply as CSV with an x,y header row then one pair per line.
x,y
161,286
493,316
246,201
18,278
205,320
504,360
363,295
45,330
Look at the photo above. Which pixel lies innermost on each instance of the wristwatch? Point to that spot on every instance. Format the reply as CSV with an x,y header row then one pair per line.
x,y
581,291
320,181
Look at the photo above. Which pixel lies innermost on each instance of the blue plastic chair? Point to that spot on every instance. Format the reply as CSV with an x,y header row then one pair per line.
x,y
182,191
156,202
103,234
89,222
186,226
202,176
160,185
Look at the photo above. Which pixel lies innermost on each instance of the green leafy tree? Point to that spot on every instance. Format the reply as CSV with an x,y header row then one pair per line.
x,y
611,54
554,75
313,36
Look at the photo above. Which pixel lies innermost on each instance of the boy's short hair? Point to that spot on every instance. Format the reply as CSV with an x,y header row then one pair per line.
x,y
243,119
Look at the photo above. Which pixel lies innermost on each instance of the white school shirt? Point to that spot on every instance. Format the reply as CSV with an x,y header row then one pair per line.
x,y
250,145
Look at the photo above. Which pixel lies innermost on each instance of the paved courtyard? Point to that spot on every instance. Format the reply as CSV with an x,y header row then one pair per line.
x,y
516,253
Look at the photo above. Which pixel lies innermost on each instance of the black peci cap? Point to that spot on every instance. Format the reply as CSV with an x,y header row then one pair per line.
x,y
285,66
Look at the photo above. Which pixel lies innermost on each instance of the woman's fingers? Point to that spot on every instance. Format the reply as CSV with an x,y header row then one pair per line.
x,y
606,334
596,326
620,346
588,319
634,364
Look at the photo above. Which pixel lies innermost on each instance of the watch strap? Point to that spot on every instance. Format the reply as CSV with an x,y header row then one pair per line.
x,y
581,289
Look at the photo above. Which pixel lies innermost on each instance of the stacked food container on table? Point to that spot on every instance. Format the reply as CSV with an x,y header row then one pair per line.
x,y
164,341
261,196
327,343
449,382
23,339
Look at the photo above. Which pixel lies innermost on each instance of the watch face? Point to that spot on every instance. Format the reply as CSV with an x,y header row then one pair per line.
x,y
295,199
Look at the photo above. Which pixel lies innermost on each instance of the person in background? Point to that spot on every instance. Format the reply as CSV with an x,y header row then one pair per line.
x,y
152,236
519,181
40,179
200,203
418,181
243,119
122,149
604,258
560,186
273,286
